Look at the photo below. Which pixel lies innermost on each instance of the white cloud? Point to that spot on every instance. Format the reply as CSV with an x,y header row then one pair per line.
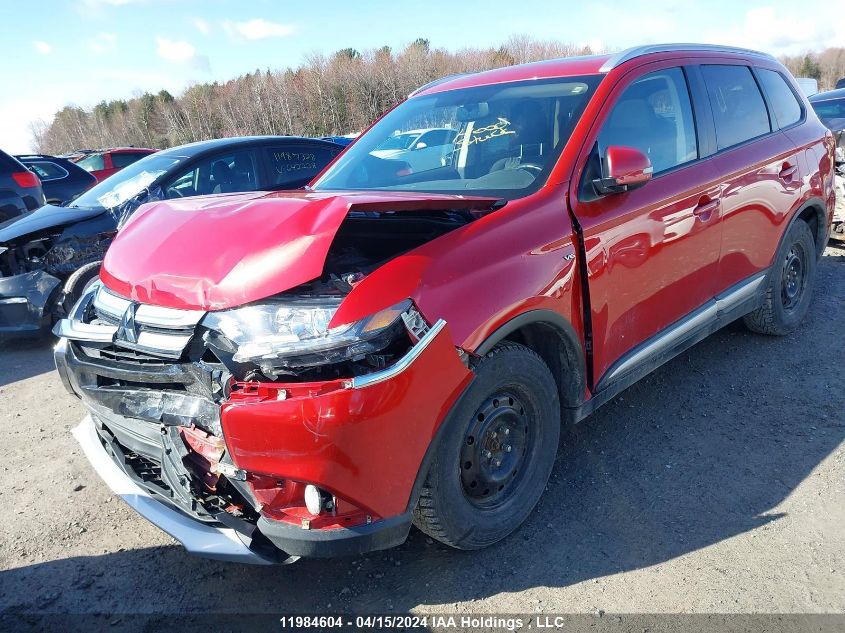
x,y
181,52
257,29
102,43
784,31
42,47
201,25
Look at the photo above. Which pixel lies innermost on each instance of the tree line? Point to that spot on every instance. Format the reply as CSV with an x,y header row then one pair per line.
x,y
325,95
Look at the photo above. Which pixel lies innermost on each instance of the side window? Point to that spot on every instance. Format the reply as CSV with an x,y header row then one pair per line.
x,y
739,111
784,102
124,159
47,171
222,173
654,115
293,166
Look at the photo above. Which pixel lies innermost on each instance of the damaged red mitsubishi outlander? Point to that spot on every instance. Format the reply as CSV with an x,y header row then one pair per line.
x,y
309,373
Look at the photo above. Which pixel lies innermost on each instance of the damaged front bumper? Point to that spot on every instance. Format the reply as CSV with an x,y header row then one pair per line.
x,y
26,302
362,441
217,542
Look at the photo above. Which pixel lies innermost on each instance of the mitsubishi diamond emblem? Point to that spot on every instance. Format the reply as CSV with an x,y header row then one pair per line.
x,y
127,331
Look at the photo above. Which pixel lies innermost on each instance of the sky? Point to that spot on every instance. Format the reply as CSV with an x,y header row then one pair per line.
x,y
60,52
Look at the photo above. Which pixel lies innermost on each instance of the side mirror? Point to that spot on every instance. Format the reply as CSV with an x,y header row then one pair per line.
x,y
623,169
420,145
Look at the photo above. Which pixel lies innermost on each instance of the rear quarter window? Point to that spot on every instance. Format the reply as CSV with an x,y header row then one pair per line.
x,y
47,171
739,111
295,165
787,109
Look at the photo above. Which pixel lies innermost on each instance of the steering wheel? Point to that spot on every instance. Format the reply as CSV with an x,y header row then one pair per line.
x,y
173,192
530,167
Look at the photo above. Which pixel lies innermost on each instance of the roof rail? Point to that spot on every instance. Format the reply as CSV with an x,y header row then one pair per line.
x,y
638,51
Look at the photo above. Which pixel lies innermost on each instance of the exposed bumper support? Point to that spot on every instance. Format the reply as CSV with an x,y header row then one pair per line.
x,y
202,540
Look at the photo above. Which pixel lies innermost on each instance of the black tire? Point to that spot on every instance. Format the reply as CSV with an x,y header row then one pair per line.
x,y
514,409
78,283
790,286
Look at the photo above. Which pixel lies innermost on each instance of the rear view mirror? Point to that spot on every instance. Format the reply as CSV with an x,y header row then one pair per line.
x,y
472,112
623,169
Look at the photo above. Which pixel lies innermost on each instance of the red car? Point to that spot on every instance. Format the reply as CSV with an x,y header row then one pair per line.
x,y
309,373
104,163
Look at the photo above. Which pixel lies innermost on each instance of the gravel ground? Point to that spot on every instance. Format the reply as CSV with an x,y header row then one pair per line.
x,y
716,485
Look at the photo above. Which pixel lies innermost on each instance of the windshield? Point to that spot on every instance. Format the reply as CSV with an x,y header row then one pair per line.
x,y
127,183
500,140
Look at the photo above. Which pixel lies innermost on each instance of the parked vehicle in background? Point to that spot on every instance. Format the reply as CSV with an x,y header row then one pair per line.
x,y
808,85
49,256
830,108
61,179
341,140
307,373
20,189
422,150
78,155
104,163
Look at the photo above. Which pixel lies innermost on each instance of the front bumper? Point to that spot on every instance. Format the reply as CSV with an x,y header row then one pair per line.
x,y
26,302
363,440
215,542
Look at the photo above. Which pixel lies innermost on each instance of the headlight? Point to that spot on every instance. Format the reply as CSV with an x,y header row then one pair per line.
x,y
296,333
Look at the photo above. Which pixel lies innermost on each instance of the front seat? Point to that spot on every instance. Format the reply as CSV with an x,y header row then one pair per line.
x,y
221,177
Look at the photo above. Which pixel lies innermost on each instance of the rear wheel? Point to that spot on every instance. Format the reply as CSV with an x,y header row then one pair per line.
x,y
496,452
790,285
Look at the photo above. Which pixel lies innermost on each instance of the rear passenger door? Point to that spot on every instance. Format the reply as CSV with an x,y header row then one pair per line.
x,y
652,252
756,163
294,165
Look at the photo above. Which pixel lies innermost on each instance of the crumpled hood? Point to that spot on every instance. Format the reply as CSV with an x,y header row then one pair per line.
x,y
45,217
218,252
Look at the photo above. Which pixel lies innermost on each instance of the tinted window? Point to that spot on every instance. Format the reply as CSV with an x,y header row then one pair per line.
x,y
739,111
784,103
654,115
47,171
295,165
829,109
222,173
92,162
124,159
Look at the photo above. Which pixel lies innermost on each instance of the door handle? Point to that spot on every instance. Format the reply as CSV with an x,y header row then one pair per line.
x,y
787,172
705,209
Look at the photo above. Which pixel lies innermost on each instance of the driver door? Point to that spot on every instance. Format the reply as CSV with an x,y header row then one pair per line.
x,y
652,252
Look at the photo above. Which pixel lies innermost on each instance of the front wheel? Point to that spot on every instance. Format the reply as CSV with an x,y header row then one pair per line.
x,y
495,454
790,285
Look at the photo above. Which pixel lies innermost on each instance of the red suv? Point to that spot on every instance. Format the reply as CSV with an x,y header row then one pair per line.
x,y
104,163
274,375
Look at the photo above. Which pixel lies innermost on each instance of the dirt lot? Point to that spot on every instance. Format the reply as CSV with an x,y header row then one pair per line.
x,y
715,485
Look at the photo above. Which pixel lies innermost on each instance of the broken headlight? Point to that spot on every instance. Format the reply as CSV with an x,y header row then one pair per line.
x,y
296,332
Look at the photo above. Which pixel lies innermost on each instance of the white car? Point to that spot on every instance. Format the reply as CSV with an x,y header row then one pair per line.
x,y
421,149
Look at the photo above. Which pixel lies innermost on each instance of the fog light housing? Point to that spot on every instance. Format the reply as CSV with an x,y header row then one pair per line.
x,y
313,499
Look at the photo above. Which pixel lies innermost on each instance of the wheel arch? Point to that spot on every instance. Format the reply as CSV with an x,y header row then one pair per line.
x,y
552,337
814,213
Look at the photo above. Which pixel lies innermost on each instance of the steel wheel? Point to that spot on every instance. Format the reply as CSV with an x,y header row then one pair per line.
x,y
793,277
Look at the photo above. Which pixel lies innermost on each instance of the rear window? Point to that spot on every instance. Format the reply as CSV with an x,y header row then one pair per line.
x,y
295,165
739,111
829,109
785,104
124,159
